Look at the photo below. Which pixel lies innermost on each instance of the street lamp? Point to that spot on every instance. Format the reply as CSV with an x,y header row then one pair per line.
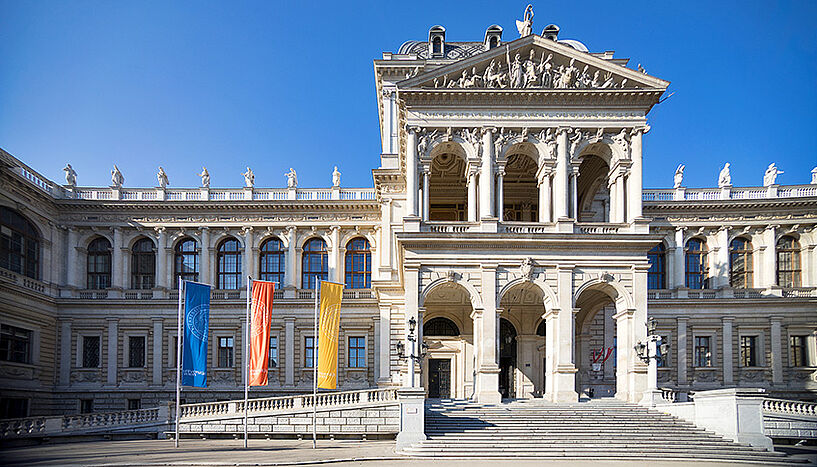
x,y
650,352
414,357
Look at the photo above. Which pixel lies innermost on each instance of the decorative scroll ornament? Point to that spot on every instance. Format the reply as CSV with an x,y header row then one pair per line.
x,y
526,268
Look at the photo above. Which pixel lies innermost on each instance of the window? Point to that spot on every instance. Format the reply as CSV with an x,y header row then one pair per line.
x,y
273,261
696,268
15,344
657,275
273,352
357,352
225,352
703,351
315,263
99,264
788,262
186,262
799,351
748,351
13,407
143,265
309,352
442,327
19,244
86,405
229,264
437,46
663,360
136,351
358,264
90,351
134,404
740,263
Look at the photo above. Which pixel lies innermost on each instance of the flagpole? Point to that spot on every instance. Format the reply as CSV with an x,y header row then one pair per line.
x,y
315,365
178,361
247,359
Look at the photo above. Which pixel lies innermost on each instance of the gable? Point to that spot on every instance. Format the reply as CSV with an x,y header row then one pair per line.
x,y
532,63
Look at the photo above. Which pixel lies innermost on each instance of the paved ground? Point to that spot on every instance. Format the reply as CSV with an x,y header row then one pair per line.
x,y
267,452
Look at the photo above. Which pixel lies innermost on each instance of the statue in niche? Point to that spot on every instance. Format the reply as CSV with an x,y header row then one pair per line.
x,y
336,177
162,177
117,179
724,178
525,27
205,177
678,179
770,177
292,178
70,176
526,268
249,178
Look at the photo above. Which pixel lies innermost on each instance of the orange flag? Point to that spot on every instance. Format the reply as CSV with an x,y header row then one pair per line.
x,y
331,294
260,317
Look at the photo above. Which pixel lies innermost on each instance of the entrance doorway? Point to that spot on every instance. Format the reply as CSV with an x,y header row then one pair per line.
x,y
439,378
507,359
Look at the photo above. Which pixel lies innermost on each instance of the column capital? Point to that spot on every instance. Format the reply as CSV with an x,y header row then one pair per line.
x,y
476,313
728,319
490,267
682,318
640,130
160,230
776,319
289,319
488,129
413,129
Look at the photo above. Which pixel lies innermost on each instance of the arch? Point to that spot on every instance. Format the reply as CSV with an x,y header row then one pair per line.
x,y
228,263
613,289
98,263
217,241
143,263
473,295
520,187
314,262
519,145
358,264
186,260
455,144
440,326
268,235
138,236
20,246
272,260
549,299
541,328
179,236
352,234
302,241
605,148
447,183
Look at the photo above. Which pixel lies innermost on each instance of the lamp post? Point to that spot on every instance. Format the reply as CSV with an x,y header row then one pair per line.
x,y
414,357
650,352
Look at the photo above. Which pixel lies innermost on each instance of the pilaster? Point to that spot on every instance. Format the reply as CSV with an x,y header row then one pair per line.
x,y
113,350
289,353
486,177
728,346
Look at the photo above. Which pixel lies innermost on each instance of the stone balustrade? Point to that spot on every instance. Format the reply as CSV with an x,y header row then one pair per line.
x,y
742,193
84,423
789,419
221,194
789,407
730,293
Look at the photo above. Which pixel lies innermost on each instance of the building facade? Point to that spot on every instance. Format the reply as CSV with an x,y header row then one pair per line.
x,y
507,220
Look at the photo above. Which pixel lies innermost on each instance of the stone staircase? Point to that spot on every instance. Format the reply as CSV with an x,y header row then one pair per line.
x,y
600,429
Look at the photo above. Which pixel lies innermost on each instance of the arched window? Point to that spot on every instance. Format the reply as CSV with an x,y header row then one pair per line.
x,y
788,262
143,265
358,264
440,327
186,261
19,244
99,264
228,264
696,268
272,261
314,263
437,46
740,263
657,274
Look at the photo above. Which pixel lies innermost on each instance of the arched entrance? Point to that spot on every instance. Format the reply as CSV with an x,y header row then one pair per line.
x,y
507,359
448,188
595,344
522,305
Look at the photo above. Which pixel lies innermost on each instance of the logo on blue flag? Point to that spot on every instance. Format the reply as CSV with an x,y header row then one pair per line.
x,y
194,345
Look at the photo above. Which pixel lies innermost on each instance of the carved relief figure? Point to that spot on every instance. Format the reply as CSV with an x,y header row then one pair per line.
x,y
526,268
249,178
547,73
205,177
335,177
292,178
117,179
525,27
529,67
621,139
724,178
678,179
575,140
70,176
770,177
162,177
516,72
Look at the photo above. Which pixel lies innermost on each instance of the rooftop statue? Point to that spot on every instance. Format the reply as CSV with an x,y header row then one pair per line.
x,y
678,179
205,177
292,178
117,179
770,177
724,178
335,177
814,176
249,178
162,177
70,176
525,26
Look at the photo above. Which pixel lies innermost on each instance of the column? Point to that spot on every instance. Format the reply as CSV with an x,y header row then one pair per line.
x,y
376,347
564,378
560,181
544,197
728,345
500,196
426,174
638,376
334,255
624,342
621,200
681,351
157,351
472,197
289,352
412,283
113,349
777,349
411,172
634,181
609,340
72,268
204,271
486,176
385,235
551,318
488,367
291,258
476,319
770,256
117,269
677,265
722,265
65,351
249,259
611,187
574,195
161,258
384,337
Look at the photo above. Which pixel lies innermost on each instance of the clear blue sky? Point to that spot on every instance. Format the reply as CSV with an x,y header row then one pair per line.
x,y
281,84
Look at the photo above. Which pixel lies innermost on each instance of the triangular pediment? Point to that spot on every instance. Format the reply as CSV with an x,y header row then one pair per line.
x,y
533,63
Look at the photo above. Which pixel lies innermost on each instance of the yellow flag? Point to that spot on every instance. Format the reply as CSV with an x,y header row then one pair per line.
x,y
331,293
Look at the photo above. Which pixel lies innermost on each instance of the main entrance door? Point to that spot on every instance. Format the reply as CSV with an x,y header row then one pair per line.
x,y
507,359
439,378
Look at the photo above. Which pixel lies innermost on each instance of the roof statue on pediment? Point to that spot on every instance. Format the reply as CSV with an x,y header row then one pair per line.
x,y
525,27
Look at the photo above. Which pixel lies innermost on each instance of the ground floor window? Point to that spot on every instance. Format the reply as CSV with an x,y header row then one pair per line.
x,y
357,352
799,351
90,351
748,351
134,404
86,405
703,351
225,352
15,344
13,407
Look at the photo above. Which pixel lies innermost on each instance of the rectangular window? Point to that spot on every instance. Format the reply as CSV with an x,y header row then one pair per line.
x,y
799,350
15,344
13,407
273,352
225,352
703,351
748,351
357,352
136,351
90,351
309,352
134,404
86,405
662,359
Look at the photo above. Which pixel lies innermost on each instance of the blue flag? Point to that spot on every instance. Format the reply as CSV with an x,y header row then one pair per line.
x,y
196,324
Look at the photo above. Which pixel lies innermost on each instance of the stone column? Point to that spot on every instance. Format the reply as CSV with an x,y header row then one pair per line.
x,y
678,265
728,371
777,349
472,197
486,176
620,200
426,206
204,270
161,258
249,259
544,197
564,378
412,284
411,172
113,350
574,193
289,352
488,367
334,255
624,344
384,338
500,198
476,319
611,187
551,318
681,351
157,351
634,181
385,235
560,181
722,264
65,351
117,260
770,256
609,340
291,258
638,375
73,267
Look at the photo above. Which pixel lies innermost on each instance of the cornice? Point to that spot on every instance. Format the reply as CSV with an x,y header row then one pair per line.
x,y
196,206
645,98
728,204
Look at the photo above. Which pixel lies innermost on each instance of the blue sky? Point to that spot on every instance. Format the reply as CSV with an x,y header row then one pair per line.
x,y
275,85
